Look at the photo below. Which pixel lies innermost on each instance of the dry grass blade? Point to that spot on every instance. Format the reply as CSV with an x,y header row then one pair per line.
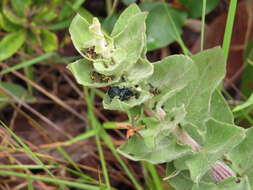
x,y
51,96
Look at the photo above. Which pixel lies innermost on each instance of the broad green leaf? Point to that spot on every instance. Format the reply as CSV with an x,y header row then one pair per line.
x,y
124,18
182,181
250,176
109,67
160,30
11,16
15,90
228,184
220,138
171,75
85,14
131,39
219,109
163,127
11,43
77,4
8,26
65,12
46,14
49,40
80,33
86,75
109,22
157,144
166,149
195,9
173,72
141,70
197,95
245,105
241,156
19,6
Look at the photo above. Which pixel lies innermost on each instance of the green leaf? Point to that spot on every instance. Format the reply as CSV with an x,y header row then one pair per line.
x,y
195,9
182,181
109,22
11,43
11,16
15,90
86,75
131,39
173,72
49,40
165,150
141,70
245,105
197,95
107,67
220,138
8,26
228,184
241,156
219,108
80,33
124,18
171,75
160,30
85,14
157,144
19,6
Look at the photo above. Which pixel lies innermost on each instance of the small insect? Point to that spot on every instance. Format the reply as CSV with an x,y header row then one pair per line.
x,y
90,52
154,90
123,93
131,131
97,77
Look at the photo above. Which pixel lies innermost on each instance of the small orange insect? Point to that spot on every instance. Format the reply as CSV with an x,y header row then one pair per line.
x,y
130,129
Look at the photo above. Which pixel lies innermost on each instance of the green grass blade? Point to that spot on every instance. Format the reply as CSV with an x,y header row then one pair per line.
x,y
229,27
110,145
27,149
93,122
30,184
83,136
50,180
27,63
203,26
156,179
177,35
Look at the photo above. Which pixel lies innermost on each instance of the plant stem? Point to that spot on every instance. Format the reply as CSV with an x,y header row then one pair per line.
x,y
108,6
203,25
229,27
114,5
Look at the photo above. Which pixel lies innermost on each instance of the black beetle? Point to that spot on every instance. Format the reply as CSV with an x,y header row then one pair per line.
x,y
123,93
